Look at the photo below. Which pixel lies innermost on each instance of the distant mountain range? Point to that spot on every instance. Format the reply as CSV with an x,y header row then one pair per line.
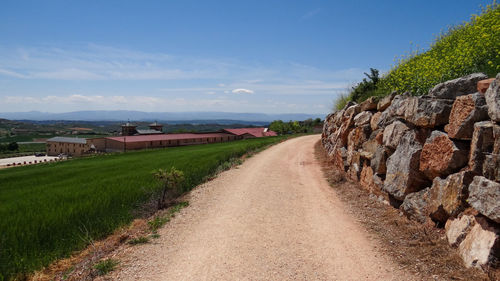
x,y
124,115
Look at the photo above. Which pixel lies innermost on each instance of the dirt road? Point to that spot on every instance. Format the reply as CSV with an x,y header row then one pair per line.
x,y
273,218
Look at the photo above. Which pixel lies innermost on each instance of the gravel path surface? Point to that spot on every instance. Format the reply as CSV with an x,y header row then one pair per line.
x,y
273,218
27,159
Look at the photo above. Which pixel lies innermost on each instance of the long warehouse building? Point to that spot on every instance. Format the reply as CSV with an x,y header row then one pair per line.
x,y
125,143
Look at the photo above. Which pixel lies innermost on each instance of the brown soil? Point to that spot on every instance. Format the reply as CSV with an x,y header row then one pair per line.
x,y
421,249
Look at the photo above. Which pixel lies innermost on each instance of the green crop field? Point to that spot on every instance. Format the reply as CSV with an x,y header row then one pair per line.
x,y
24,149
50,210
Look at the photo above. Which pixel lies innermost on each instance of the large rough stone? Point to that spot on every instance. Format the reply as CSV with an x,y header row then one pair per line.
x,y
379,185
337,159
355,166
379,159
484,196
496,139
481,145
466,111
374,121
363,118
338,126
357,137
399,104
369,104
457,87
369,148
395,110
352,110
492,96
393,134
448,196
386,101
380,136
337,118
441,156
457,229
481,245
415,206
338,136
491,167
343,154
403,175
483,85
426,112
366,178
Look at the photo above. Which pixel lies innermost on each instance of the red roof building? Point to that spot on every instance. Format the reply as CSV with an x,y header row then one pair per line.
x,y
167,137
251,132
125,143
136,142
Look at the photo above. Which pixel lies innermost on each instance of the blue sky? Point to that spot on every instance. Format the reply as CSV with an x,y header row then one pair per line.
x,y
234,56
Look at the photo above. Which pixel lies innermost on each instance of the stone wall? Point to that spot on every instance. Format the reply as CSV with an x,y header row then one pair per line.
x,y
435,157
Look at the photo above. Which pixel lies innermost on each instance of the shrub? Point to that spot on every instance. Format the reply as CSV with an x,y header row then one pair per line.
x,y
366,87
471,47
139,240
171,180
13,146
105,266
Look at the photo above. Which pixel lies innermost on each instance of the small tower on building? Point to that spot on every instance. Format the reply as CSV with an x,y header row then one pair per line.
x,y
156,126
129,129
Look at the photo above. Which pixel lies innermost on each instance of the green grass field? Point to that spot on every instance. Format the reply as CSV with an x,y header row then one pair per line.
x,y
24,149
21,138
48,211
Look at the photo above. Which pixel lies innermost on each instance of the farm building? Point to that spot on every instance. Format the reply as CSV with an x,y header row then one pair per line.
x,y
129,129
247,133
125,143
133,139
67,146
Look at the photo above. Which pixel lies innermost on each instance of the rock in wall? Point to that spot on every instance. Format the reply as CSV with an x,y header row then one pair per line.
x,y
438,155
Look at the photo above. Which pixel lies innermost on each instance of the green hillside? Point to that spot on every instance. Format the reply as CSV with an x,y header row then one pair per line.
x,y
48,211
473,46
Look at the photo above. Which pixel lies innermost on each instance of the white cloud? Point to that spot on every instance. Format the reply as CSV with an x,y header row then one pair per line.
x,y
242,91
11,73
310,14
67,74
126,79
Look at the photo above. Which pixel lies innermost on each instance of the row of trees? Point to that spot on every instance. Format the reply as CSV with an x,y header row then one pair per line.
x,y
13,146
295,127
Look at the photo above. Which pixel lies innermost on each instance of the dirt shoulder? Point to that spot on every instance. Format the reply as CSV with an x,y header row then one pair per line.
x,y
418,248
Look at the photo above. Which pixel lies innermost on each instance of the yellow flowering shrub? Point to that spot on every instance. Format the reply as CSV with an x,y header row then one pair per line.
x,y
471,47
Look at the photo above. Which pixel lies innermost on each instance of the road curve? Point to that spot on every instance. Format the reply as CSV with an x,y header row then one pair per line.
x,y
273,218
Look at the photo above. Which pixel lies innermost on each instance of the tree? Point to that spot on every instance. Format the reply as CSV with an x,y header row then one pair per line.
x,y
172,181
13,146
366,87
278,126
